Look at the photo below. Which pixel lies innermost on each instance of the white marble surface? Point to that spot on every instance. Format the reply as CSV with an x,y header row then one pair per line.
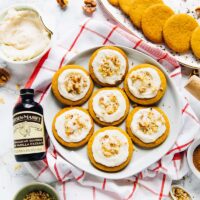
x,y
12,175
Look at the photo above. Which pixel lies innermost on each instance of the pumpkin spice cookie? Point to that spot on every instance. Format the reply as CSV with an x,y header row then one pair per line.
x,y
110,149
72,127
145,84
137,9
108,66
109,106
114,2
153,21
72,85
147,127
177,32
125,5
195,42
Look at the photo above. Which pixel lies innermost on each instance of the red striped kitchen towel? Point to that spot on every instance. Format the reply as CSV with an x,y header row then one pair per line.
x,y
152,183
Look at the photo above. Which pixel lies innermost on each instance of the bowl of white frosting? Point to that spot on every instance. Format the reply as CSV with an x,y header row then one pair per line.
x,y
24,38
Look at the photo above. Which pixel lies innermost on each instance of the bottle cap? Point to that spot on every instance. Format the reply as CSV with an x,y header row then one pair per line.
x,y
27,91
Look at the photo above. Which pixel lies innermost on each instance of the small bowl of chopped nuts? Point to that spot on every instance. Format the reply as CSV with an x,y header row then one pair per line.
x,y
179,193
36,190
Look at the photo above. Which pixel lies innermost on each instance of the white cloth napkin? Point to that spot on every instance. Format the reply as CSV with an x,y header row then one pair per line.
x,y
152,183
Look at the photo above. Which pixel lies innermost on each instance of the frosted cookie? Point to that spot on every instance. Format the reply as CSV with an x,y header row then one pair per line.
x,y
108,66
125,5
145,84
114,2
195,42
147,127
177,32
72,85
153,21
72,127
137,9
110,149
109,106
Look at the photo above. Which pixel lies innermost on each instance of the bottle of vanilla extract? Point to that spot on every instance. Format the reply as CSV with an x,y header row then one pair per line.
x,y
28,128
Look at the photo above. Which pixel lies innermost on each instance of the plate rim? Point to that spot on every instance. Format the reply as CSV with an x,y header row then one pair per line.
x,y
177,97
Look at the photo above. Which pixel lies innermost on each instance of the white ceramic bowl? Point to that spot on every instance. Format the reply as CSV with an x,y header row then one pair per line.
x,y
190,152
177,186
29,7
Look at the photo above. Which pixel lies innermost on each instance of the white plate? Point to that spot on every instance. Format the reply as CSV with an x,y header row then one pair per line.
x,y
141,158
179,6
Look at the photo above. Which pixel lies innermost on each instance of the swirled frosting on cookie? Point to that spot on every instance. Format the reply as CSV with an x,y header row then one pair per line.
x,y
148,125
109,105
73,125
109,66
73,84
144,83
110,148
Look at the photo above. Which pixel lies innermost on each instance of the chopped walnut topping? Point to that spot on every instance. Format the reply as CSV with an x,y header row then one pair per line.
x,y
75,83
4,76
110,145
74,124
149,124
110,66
62,3
90,6
109,104
180,194
146,80
198,12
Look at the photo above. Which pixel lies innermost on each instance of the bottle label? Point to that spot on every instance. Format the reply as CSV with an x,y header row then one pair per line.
x,y
29,136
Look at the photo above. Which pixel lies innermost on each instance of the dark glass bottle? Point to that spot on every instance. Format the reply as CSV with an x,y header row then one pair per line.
x,y
29,131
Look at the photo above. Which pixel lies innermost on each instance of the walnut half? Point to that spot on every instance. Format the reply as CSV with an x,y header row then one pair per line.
x,y
4,76
90,6
62,3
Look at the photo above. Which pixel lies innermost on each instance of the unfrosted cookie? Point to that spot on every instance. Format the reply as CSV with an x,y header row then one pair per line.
x,y
125,5
137,9
114,2
195,42
108,66
147,127
177,32
72,127
145,84
153,21
110,149
109,106
72,85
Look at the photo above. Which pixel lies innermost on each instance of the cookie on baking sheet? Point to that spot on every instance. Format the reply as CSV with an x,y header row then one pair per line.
x,y
72,127
108,66
147,127
125,5
72,85
195,42
114,2
145,84
153,21
109,106
137,9
110,149
177,32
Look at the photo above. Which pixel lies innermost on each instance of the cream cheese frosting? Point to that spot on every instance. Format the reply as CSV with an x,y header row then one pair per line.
x,y
109,105
73,125
148,125
23,35
73,84
144,83
110,148
109,66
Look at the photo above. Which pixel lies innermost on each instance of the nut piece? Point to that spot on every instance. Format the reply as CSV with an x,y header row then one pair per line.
x,y
4,76
198,12
62,3
90,6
